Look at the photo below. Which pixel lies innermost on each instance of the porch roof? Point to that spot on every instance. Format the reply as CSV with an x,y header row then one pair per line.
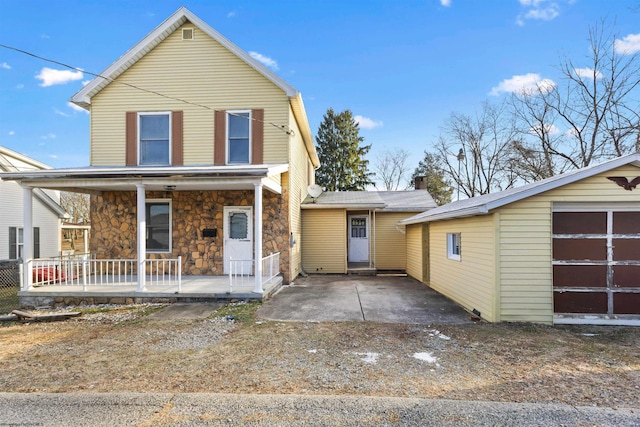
x,y
386,201
155,178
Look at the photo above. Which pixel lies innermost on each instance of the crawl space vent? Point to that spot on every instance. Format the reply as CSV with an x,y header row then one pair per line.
x,y
187,33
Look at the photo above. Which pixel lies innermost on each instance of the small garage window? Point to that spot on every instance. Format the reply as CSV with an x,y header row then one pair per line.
x,y
454,246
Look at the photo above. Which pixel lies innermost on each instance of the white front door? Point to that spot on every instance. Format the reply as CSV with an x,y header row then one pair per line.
x,y
238,238
359,238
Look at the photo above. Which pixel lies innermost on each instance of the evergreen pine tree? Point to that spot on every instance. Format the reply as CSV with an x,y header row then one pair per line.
x,y
342,163
438,185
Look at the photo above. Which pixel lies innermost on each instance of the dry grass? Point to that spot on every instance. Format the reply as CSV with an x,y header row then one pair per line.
x,y
124,351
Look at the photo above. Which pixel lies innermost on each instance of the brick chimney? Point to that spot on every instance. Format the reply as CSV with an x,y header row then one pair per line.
x,y
420,183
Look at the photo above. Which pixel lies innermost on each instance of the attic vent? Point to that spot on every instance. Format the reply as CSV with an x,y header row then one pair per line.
x,y
187,34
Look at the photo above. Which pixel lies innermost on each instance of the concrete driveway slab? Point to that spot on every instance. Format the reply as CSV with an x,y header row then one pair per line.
x,y
336,298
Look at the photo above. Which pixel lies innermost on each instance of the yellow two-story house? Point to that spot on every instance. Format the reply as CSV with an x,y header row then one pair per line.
x,y
200,159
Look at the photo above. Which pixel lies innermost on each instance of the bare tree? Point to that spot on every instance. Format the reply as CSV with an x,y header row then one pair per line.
x,y
484,140
76,205
594,110
391,167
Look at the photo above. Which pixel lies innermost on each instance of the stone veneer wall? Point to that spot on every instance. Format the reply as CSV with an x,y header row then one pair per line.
x,y
114,217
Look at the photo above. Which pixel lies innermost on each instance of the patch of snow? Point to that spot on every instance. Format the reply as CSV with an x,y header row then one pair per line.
x,y
437,333
371,358
590,335
313,351
425,357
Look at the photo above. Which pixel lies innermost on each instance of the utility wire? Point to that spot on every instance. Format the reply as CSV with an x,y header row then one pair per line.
x,y
283,128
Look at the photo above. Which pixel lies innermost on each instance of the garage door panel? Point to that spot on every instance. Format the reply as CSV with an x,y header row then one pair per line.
x,y
626,276
579,249
584,276
580,302
626,223
579,222
624,303
626,249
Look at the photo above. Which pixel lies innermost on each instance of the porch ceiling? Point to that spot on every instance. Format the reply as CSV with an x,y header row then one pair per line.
x,y
207,178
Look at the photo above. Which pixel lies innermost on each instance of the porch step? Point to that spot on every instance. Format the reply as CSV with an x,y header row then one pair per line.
x,y
362,271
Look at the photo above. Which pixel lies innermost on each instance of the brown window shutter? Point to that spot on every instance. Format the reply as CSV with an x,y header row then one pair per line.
x,y
257,136
131,139
220,137
177,158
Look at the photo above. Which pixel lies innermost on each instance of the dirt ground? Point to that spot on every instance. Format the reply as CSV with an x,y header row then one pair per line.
x,y
233,351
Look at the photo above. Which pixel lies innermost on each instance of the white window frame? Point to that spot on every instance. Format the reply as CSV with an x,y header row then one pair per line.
x,y
227,141
159,201
454,246
139,134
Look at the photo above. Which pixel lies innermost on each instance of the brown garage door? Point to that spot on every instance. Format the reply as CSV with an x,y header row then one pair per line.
x,y
596,262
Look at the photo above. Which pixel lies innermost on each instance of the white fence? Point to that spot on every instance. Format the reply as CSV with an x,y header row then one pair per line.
x,y
81,270
241,271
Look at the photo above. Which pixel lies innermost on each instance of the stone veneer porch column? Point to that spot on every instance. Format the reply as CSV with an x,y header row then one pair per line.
x,y
27,237
258,238
142,236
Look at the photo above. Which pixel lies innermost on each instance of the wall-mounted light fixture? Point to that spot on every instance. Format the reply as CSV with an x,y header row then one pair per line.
x,y
169,187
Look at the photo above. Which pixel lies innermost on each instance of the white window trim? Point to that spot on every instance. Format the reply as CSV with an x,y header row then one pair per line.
x,y
170,203
451,245
154,113
227,150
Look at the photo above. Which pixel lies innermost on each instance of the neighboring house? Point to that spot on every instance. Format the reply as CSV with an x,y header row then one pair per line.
x,y
357,231
197,151
562,250
46,210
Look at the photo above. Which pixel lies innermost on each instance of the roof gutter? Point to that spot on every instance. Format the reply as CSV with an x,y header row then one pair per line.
x,y
472,211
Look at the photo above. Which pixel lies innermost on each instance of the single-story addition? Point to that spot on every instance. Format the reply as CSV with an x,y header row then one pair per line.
x,y
562,250
357,231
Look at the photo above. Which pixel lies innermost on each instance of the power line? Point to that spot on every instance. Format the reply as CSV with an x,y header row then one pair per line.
x,y
283,128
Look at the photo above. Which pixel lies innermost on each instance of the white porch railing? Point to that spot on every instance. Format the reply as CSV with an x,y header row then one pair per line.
x,y
81,270
270,267
241,271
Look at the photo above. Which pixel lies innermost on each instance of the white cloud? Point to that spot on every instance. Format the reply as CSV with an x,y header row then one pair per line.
x,y
542,10
627,45
549,128
587,73
367,123
265,60
20,86
61,113
5,66
51,77
11,133
526,84
53,156
77,108
49,136
445,3
231,14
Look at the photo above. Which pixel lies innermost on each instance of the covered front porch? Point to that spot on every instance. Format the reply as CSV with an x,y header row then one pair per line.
x,y
215,235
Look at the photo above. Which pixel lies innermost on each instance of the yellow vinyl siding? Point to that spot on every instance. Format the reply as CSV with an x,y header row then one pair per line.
x,y
414,251
324,238
471,281
200,71
390,244
298,159
526,274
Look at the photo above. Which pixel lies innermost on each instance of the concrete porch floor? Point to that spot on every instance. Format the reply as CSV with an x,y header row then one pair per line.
x,y
193,289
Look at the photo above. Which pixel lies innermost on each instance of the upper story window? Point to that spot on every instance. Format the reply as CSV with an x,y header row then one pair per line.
x,y
155,138
238,137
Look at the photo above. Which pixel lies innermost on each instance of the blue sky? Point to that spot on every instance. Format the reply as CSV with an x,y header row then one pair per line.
x,y
402,66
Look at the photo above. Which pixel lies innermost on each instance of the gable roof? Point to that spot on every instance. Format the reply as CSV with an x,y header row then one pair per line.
x,y
482,205
83,97
386,201
8,164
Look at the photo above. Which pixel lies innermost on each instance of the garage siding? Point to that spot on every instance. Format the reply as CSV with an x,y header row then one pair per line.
x,y
471,282
324,241
525,261
390,243
414,251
